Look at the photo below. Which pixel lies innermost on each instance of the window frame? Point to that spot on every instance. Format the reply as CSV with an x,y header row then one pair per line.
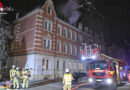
x,y
59,42
65,32
49,8
46,46
59,28
48,25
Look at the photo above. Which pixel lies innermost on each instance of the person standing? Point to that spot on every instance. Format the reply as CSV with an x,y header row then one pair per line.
x,y
12,72
16,78
67,80
26,76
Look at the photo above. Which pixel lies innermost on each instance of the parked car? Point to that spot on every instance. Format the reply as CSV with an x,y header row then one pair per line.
x,y
79,77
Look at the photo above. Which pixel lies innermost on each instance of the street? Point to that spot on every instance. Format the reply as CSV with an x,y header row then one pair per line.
x,y
123,86
58,86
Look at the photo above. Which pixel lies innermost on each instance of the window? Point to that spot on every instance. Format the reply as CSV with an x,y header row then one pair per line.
x,y
65,48
70,34
70,65
47,43
57,65
65,32
47,64
48,25
70,49
75,36
59,46
59,29
80,38
43,65
80,66
75,50
63,66
49,10
80,26
74,66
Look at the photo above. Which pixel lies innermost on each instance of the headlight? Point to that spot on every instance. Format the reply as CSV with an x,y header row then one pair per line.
x,y
124,74
109,81
90,80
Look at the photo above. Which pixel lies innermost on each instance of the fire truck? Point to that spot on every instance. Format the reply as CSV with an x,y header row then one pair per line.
x,y
103,70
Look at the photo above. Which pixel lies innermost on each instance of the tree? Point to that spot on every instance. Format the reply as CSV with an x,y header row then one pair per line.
x,y
4,40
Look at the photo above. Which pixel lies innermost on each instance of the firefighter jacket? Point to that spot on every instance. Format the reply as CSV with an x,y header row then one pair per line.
x,y
12,73
67,79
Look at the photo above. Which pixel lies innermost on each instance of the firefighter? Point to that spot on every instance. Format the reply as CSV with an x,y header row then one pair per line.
x,y
12,72
16,78
26,76
67,79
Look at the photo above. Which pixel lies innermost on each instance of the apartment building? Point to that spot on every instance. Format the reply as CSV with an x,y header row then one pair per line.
x,y
47,44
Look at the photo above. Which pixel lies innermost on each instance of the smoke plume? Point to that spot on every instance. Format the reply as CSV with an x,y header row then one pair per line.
x,y
70,9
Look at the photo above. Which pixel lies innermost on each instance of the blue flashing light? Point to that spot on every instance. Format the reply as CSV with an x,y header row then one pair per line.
x,y
83,58
93,57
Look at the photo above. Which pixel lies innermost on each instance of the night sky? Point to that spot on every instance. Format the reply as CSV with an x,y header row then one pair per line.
x,y
116,11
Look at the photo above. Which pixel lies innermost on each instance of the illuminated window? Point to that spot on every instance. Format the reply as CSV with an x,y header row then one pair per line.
x,y
48,25
43,65
80,66
80,26
59,46
65,32
49,10
59,29
70,65
47,44
74,66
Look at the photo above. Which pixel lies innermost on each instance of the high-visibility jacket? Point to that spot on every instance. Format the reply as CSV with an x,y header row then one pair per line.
x,y
67,79
12,73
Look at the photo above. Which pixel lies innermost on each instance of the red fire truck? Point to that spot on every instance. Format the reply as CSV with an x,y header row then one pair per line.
x,y
104,72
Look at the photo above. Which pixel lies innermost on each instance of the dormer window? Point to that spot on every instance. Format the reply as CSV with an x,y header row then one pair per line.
x,y
49,10
80,26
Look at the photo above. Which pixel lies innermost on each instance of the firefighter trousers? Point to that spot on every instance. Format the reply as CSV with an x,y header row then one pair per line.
x,y
15,83
67,87
25,82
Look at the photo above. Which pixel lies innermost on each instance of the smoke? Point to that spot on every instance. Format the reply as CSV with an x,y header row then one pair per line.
x,y
70,9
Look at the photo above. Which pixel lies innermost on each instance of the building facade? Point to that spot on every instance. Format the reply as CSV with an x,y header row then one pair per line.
x,y
46,44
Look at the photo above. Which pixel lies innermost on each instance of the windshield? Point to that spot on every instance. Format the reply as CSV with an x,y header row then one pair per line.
x,y
102,65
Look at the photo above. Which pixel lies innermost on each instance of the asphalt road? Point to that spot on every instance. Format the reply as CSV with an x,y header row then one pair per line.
x,y
122,86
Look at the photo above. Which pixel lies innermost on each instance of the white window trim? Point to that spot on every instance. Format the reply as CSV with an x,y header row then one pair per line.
x,y
65,29
75,36
50,10
48,21
59,26
47,43
71,34
75,50
59,42
66,48
70,51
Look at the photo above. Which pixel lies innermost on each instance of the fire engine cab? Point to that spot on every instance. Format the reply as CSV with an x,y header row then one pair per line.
x,y
104,72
